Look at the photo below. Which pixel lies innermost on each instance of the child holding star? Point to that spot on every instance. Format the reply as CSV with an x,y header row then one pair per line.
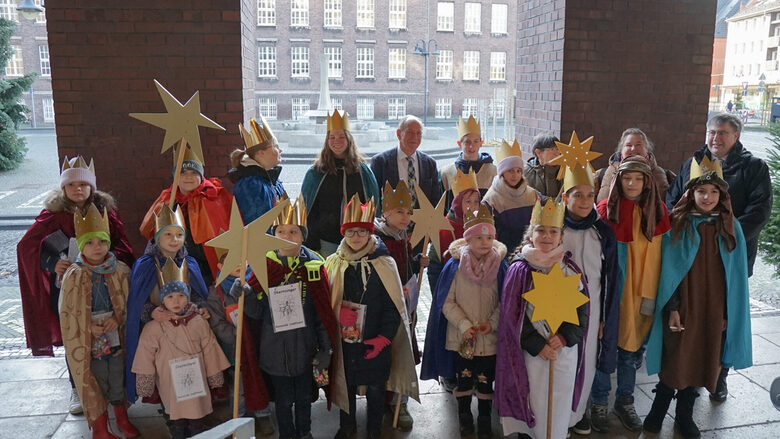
x,y
525,348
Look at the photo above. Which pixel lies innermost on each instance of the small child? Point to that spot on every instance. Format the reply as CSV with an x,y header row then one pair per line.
x,y
469,160
366,295
526,348
703,283
180,356
464,320
509,198
98,282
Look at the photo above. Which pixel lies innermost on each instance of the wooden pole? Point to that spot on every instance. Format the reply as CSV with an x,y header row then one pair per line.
x,y
550,399
424,249
240,324
179,162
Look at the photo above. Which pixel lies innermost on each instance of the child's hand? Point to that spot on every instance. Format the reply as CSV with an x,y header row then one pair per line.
x,y
674,322
161,314
484,328
424,261
548,353
110,324
62,266
96,330
204,313
556,342
469,333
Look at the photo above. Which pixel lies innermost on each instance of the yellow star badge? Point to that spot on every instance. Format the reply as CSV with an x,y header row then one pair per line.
x,y
555,298
574,153
428,220
179,121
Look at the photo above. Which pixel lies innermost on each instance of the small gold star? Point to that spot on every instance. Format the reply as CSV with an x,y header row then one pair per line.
x,y
574,153
429,220
555,298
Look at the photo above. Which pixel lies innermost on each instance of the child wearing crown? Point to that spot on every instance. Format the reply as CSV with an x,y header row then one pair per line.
x,y
461,335
366,295
205,206
40,265
525,348
509,198
469,159
637,214
702,312
180,356
97,282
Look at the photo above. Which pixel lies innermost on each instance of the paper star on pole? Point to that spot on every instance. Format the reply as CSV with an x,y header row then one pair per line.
x,y
574,153
179,121
429,220
250,243
555,298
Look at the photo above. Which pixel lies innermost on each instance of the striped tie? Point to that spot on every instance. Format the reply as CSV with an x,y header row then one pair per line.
x,y
411,179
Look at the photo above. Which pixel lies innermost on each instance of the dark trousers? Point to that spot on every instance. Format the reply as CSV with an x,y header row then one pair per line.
x,y
475,373
375,400
288,391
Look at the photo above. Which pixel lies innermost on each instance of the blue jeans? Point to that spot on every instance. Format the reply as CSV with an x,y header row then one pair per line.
x,y
627,365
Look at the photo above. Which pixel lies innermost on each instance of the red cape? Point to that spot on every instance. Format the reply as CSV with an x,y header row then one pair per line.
x,y
624,231
446,238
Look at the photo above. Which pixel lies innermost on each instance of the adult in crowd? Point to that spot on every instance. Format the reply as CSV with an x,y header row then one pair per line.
x,y
338,172
407,163
537,172
749,188
633,141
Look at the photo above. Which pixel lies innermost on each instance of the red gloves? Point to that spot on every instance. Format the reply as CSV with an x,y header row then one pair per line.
x,y
375,345
347,316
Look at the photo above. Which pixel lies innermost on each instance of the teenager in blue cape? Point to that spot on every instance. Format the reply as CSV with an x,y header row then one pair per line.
x,y
702,314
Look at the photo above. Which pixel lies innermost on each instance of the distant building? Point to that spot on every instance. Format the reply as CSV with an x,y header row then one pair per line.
x,y
726,9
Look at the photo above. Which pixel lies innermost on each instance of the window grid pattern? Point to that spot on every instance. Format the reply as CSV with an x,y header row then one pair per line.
x,y
266,12
334,61
498,19
267,108
397,64
266,61
397,14
336,104
299,56
444,64
471,65
365,63
299,13
365,14
396,108
8,10
497,108
365,108
472,18
41,17
48,109
470,107
443,108
498,66
299,107
333,13
445,16
15,66
43,54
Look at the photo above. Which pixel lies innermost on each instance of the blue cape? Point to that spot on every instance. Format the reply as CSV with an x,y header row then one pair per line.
x,y
255,196
438,361
677,261
143,279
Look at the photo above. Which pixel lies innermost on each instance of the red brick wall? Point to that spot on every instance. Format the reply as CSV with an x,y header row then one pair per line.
x,y
103,62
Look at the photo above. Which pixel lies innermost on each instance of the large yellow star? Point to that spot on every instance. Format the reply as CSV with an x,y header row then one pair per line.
x,y
575,152
179,121
555,298
429,220
249,244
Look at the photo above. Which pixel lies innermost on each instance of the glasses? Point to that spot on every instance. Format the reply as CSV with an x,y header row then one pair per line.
x,y
359,232
721,133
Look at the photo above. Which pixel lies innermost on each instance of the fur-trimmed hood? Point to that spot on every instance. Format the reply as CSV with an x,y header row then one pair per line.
x,y
56,202
457,246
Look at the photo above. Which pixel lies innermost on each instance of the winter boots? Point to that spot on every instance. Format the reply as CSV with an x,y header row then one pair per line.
x,y
100,428
484,429
683,421
654,419
465,418
128,430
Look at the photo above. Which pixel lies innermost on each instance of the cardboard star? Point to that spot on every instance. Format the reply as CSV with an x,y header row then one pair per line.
x,y
575,152
250,243
555,298
179,121
429,220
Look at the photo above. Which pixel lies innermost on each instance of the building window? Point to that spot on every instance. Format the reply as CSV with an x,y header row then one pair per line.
x,y
498,19
498,66
299,56
445,16
48,109
365,14
333,13
470,108
299,13
41,17
396,108
336,104
334,62
443,108
472,18
267,108
15,66
266,12
8,10
497,108
444,64
299,107
43,54
397,14
397,60
471,65
365,108
266,61
365,63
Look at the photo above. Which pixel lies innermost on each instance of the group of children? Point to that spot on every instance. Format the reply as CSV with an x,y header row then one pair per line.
x,y
166,332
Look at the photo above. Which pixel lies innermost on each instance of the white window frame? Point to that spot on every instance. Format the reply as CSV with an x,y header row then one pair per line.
x,y
396,108
299,108
444,65
365,108
299,62
498,108
472,18
396,63
267,107
299,13
397,14
443,109
365,62
498,66
15,66
41,17
470,67
266,61
266,12
332,14
337,104
470,108
335,69
47,105
445,17
499,18
45,60
8,10
365,14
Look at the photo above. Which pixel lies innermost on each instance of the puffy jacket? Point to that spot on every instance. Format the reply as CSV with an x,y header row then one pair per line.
x,y
543,178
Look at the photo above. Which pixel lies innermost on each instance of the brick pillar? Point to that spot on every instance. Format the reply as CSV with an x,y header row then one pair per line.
x,y
103,61
616,64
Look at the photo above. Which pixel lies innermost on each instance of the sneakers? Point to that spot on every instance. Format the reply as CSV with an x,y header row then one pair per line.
x,y
582,427
264,426
405,420
624,409
74,407
598,418
721,390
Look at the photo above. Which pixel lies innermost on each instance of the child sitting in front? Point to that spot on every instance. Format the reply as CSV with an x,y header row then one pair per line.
x,y
97,282
180,356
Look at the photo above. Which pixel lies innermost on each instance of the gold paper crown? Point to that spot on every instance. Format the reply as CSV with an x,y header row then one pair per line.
x,y
505,150
550,215
293,214
464,181
171,272
576,176
338,122
93,221
704,166
189,155
78,162
398,198
355,212
256,135
483,215
168,217
468,127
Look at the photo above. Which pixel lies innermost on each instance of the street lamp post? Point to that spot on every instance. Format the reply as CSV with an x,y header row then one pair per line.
x,y
421,48
30,11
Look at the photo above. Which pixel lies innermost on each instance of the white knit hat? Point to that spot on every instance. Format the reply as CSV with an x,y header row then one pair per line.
x,y
76,169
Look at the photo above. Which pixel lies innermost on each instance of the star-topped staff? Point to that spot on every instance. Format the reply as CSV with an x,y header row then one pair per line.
x,y
574,153
180,123
247,245
555,298
428,221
